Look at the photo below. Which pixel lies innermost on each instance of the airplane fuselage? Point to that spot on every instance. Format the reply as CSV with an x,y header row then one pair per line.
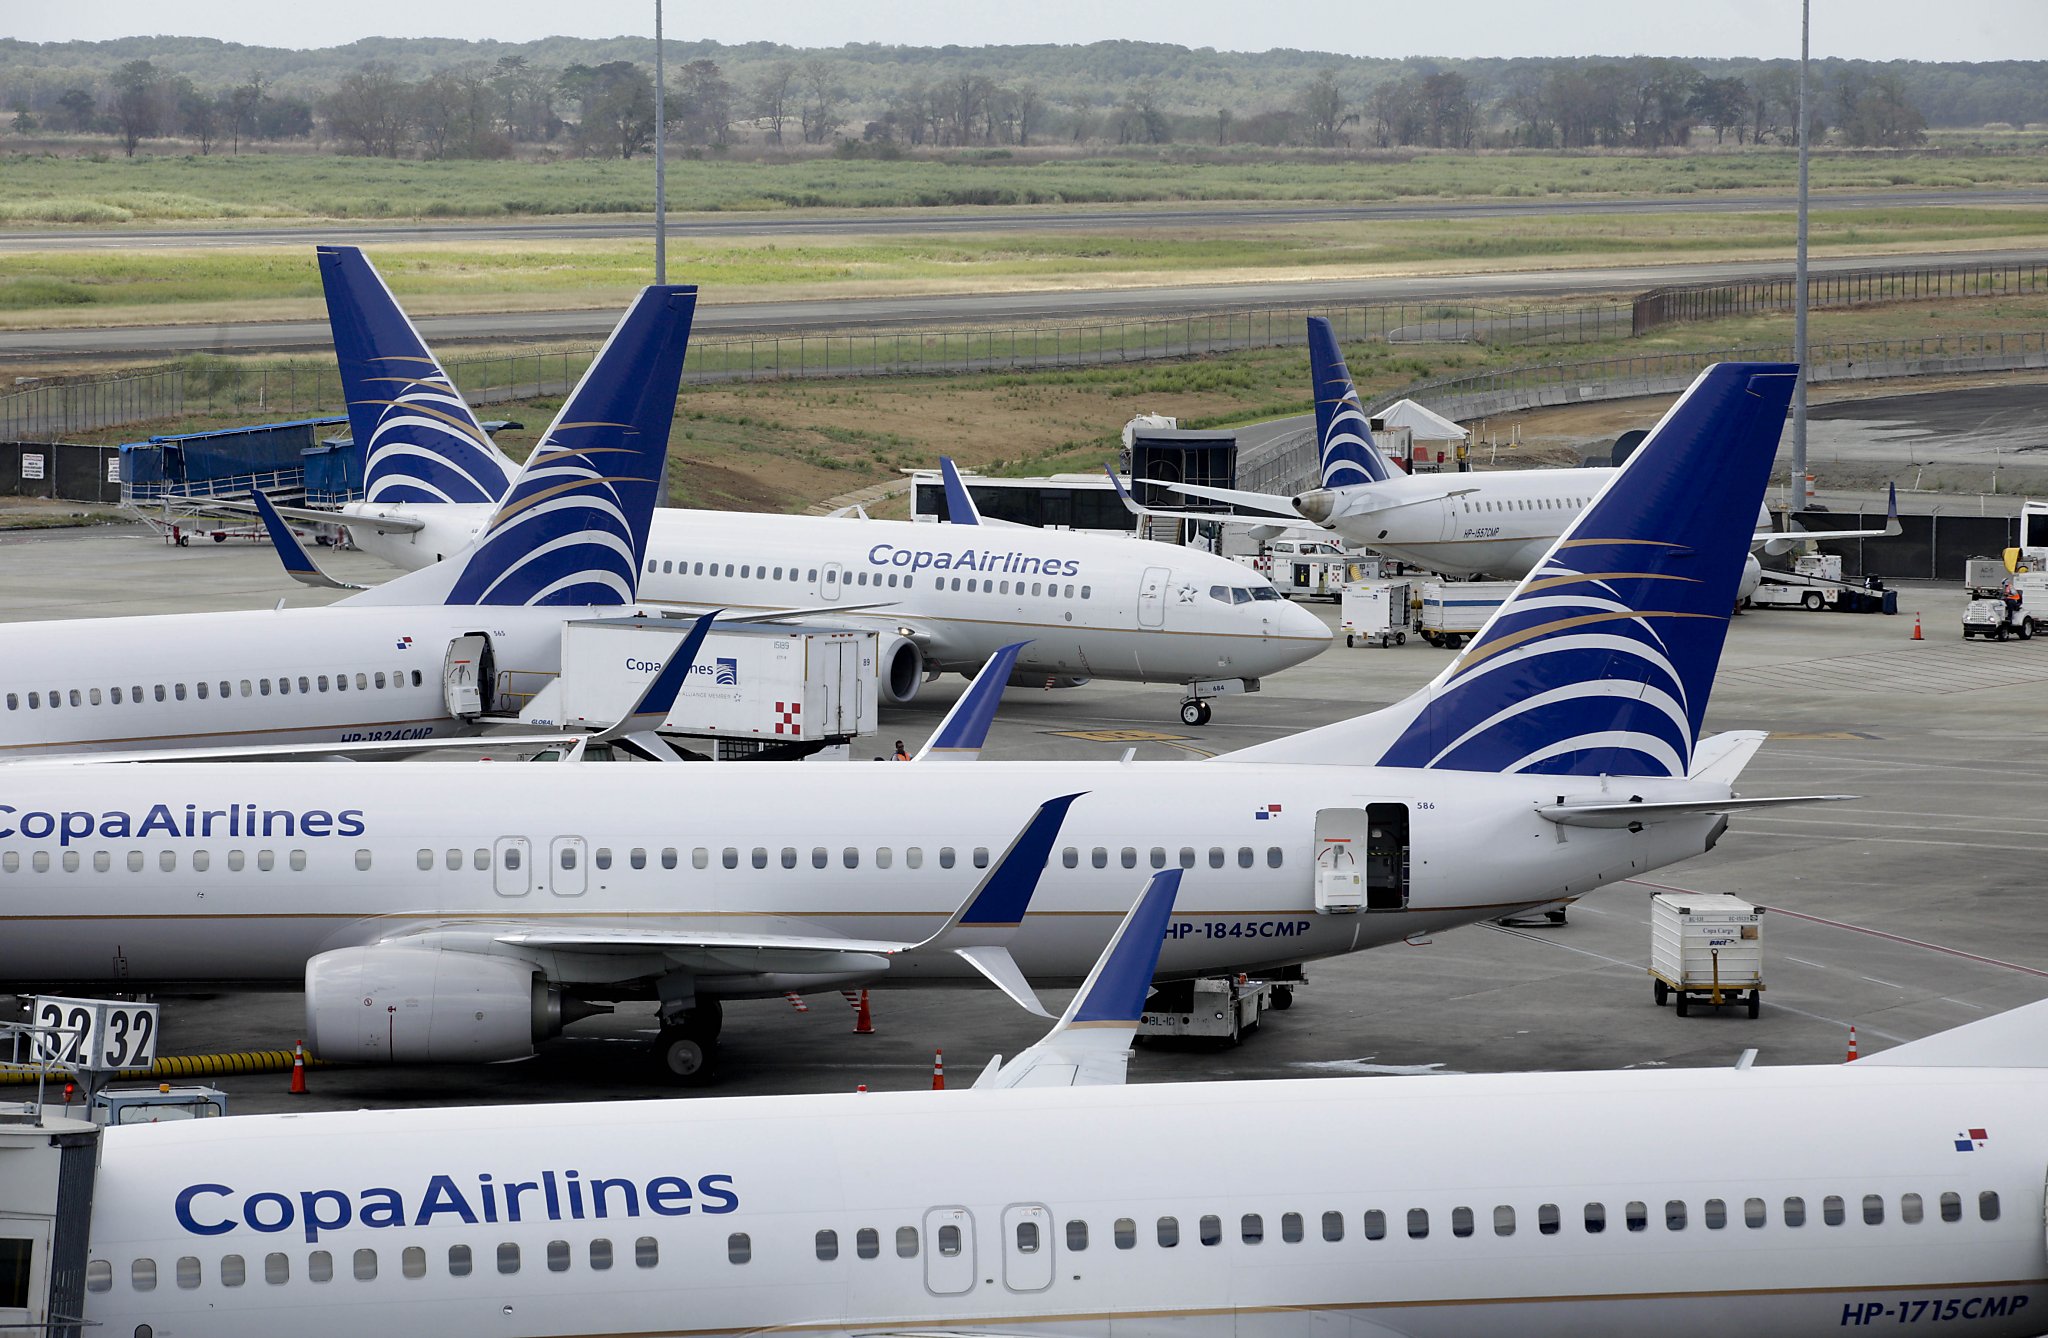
x,y
1849,1200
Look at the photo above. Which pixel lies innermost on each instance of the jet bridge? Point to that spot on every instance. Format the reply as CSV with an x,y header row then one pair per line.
x,y
47,1166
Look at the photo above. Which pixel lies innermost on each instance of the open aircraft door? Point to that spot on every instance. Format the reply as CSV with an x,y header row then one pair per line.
x,y
1152,597
1362,859
466,676
948,1251
1027,1247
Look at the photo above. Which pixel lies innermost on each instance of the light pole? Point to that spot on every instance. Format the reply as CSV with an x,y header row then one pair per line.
x,y
661,162
1799,277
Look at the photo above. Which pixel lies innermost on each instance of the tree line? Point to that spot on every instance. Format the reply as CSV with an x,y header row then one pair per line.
x,y
776,97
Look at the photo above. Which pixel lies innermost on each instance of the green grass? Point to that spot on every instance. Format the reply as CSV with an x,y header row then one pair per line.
x,y
102,189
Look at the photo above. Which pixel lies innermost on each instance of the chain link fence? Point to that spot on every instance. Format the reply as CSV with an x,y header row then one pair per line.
x,y
1836,289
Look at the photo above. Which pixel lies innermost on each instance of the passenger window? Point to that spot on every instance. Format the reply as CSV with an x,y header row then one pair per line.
x,y
1070,858
1333,1226
508,1257
451,861
1596,1218
99,1276
906,1242
1832,1211
913,857
166,860
234,1270
668,858
1290,1228
700,858
320,1264
1130,857
188,1272
200,687
1274,857
1987,1205
425,860
981,857
949,1242
1251,1229
603,857
883,858
1126,1235
277,1269
828,1245
1418,1223
298,861
760,857
480,859
867,1242
1098,858
1795,1211
1461,1222
850,857
1951,1206
1077,1235
1084,592
1211,1230
362,861
1674,1215
1547,1218
1168,1233
1187,857
730,857
945,857
1873,1210
362,683
558,1256
93,695
142,1275
412,1262
1158,857
460,1261
638,857
646,1252
1375,1224
366,1264
235,861
600,1254
789,857
71,861
1716,1214
820,857
1504,1220
1755,1215
1245,857
1216,857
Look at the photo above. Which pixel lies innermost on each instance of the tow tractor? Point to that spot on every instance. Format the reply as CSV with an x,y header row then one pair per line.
x,y
1815,582
2019,609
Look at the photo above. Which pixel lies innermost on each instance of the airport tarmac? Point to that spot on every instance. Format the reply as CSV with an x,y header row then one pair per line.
x,y
1913,908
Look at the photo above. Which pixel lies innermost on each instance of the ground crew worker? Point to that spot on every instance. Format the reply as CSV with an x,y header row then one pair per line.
x,y
902,753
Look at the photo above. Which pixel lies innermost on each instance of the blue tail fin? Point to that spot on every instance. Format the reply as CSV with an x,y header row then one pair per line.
x,y
573,530
960,507
1602,660
421,441
1343,437
961,735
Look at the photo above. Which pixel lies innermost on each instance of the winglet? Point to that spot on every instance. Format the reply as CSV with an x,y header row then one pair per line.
x,y
1091,1044
960,507
659,697
1123,494
298,563
1892,528
979,932
962,733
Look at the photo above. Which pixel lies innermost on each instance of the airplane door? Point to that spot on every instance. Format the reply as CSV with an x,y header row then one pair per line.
x,y
510,874
463,674
566,874
835,576
1152,597
1027,1247
949,1251
1341,835
25,1273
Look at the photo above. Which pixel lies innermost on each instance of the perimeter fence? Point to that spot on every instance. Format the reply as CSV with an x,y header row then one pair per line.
x,y
1835,290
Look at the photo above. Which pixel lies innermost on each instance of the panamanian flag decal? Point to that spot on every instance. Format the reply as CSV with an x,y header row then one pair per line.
x,y
405,643
1270,811
1972,1140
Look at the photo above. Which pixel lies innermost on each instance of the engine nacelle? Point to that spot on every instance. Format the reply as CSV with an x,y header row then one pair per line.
x,y
899,669
391,1004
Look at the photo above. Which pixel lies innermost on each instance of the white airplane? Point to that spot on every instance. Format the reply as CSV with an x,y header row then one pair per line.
x,y
411,662
481,905
1090,606
1050,1200
1497,523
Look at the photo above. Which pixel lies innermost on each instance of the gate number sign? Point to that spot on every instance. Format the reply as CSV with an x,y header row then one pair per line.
x,y
96,1035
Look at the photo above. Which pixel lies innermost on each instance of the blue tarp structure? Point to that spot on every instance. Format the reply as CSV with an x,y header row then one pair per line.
x,y
334,471
224,460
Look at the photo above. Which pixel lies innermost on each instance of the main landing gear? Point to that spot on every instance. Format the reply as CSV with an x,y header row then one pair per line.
x,y
687,1047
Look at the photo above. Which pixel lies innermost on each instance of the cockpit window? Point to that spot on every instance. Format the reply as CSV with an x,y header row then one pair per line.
x,y
1220,593
1240,595
1264,592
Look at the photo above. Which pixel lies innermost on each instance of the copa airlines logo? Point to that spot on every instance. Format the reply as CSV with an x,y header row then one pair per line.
x,y
993,562
552,1196
428,447
1572,676
1348,455
562,535
72,825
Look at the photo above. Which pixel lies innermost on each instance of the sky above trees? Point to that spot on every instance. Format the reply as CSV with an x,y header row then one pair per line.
x,y
1975,30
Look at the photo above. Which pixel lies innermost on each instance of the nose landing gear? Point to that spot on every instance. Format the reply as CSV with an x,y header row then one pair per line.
x,y
1194,711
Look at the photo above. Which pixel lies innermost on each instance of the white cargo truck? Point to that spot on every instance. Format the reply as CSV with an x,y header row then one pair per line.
x,y
1706,947
1377,613
781,691
1219,1008
1454,611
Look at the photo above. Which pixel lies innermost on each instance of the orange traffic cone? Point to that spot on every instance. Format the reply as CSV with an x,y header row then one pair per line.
x,y
1852,1044
938,1070
298,1068
1916,628
862,1088
864,1021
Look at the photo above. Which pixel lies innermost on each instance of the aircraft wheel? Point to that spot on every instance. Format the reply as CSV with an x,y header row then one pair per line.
x,y
1283,997
1194,713
684,1056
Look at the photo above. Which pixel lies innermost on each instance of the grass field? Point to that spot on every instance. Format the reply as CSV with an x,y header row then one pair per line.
x,y
104,189
785,445
40,289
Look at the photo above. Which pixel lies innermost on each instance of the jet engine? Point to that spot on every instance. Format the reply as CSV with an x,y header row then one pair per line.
x,y
396,1004
900,669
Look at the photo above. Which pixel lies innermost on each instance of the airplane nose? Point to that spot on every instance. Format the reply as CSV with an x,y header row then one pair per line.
x,y
1316,505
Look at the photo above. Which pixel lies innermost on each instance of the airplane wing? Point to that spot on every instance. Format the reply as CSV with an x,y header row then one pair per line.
x,y
298,563
1090,1046
1272,504
962,733
1275,522
1779,542
1631,815
978,932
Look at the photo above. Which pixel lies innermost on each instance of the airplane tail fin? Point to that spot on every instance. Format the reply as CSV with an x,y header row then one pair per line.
x,y
960,507
421,440
573,528
1091,1043
1602,660
1344,446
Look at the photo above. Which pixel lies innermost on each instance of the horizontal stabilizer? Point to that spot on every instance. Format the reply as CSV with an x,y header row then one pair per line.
x,y
1090,1046
1779,542
2015,1039
1273,505
1722,757
960,736
1630,815
298,563
313,515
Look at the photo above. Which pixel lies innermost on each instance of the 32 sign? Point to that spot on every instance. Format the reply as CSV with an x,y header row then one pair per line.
x,y
95,1035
